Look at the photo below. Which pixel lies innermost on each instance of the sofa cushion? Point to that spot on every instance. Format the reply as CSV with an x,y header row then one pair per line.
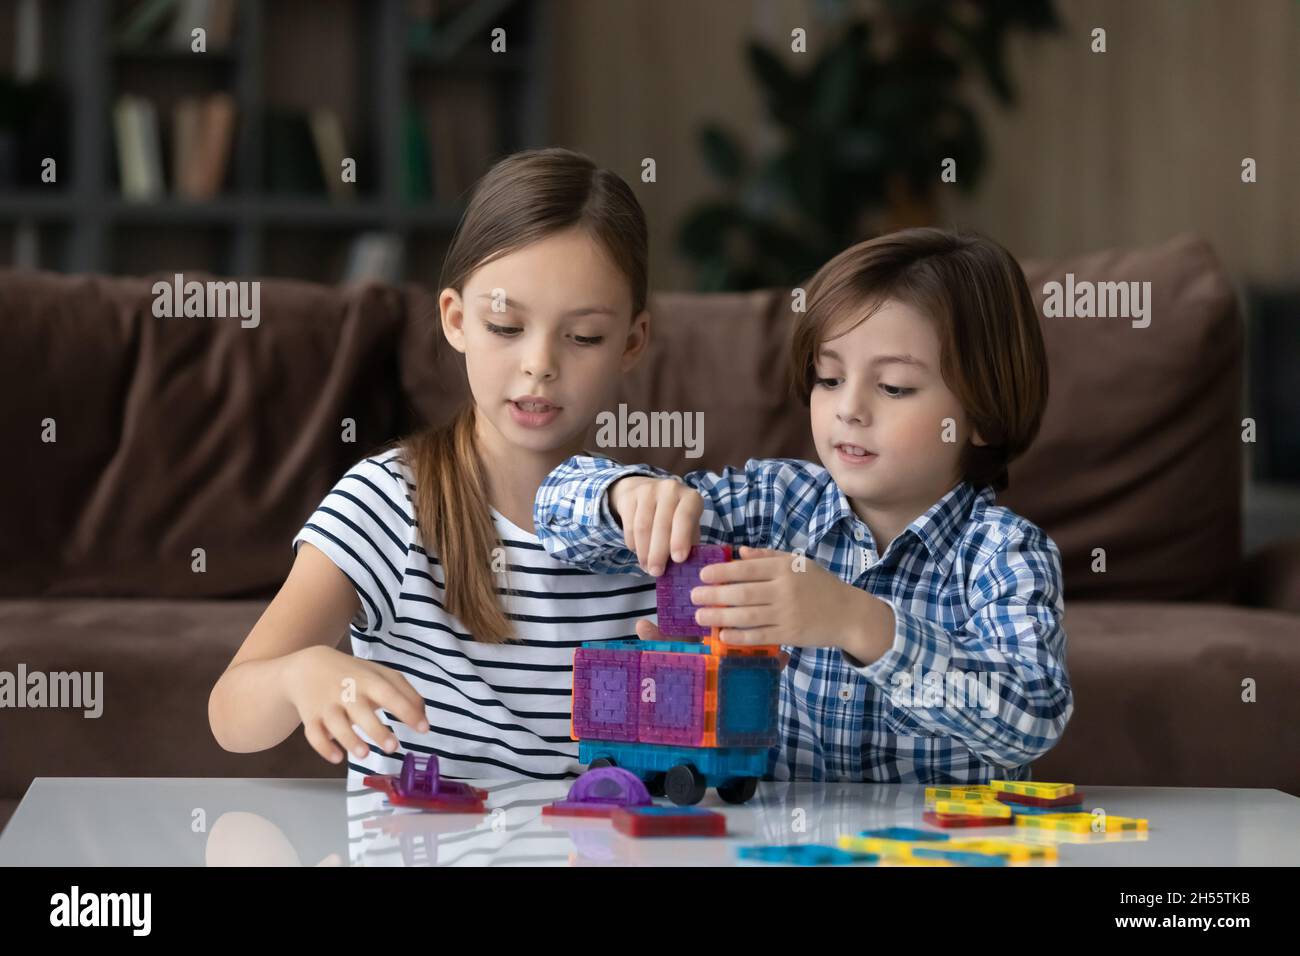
x,y
159,661
173,434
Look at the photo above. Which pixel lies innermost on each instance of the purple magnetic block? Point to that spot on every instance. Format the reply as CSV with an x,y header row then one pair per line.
x,y
419,779
673,590
676,715
605,692
607,786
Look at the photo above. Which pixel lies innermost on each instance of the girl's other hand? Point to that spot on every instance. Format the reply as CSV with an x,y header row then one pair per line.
x,y
660,517
332,691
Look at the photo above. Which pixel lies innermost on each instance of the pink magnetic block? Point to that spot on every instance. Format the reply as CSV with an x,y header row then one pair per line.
x,y
673,590
676,714
605,693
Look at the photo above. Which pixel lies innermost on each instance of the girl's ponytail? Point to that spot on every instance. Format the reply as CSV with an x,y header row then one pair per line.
x,y
451,508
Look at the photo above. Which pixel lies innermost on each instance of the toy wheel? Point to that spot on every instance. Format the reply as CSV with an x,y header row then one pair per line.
x,y
738,789
684,785
601,762
655,784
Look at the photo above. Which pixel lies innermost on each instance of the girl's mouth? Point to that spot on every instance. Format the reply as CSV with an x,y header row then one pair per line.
x,y
533,413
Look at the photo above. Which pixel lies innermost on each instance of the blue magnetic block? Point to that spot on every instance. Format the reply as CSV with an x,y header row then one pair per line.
x,y
904,833
1019,809
657,811
805,854
749,690
716,764
962,858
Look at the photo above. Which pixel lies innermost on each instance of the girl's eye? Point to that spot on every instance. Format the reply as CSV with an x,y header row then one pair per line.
x,y
826,382
589,339
898,392
507,331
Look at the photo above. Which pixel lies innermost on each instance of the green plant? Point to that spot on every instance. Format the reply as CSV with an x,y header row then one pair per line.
x,y
862,132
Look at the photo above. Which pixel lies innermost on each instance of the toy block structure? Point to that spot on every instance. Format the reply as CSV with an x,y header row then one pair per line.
x,y
1081,822
599,792
1019,800
973,808
682,714
1029,788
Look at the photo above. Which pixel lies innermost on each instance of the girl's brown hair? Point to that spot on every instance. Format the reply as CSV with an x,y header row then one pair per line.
x,y
992,355
522,199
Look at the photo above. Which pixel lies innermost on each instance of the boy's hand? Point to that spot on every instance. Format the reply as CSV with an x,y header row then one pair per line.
x,y
332,691
647,630
660,517
772,597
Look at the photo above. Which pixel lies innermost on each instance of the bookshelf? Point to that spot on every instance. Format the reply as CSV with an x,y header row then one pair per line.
x,y
384,69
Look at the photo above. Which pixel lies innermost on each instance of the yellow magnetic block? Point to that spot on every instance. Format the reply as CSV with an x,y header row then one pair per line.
x,y
1032,788
897,849
916,861
1009,850
1080,822
971,808
975,791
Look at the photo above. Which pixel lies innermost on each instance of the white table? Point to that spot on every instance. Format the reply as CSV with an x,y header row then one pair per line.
x,y
118,821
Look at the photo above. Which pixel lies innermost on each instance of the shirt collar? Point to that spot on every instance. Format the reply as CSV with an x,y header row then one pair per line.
x,y
938,529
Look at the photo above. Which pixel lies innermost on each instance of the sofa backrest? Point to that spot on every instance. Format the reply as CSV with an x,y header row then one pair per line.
x,y
177,434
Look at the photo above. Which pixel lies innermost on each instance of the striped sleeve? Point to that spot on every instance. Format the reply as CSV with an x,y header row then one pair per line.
x,y
364,526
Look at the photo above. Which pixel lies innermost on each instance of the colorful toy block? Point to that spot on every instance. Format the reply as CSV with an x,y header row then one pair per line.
x,y
1029,811
1030,788
668,821
749,691
673,590
904,833
1020,799
885,847
949,821
959,857
597,793
805,854
976,791
972,808
419,785
674,700
1080,822
606,692
1010,850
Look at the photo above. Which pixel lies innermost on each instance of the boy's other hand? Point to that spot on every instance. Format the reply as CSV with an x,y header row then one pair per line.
x,y
660,518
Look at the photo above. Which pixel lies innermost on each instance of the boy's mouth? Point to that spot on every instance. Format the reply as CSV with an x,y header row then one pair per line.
x,y
854,454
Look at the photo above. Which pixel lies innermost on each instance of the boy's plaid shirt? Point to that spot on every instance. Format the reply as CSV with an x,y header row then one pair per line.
x,y
977,600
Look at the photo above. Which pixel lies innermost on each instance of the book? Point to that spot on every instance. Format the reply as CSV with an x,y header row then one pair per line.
x,y
213,145
374,255
144,20
327,133
139,158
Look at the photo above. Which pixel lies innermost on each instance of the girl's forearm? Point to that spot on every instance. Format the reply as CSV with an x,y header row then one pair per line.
x,y
249,710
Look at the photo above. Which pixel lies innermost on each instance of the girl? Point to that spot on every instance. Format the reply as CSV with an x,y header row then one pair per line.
x,y
463,629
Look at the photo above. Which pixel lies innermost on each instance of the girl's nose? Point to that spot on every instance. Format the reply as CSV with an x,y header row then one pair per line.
x,y
539,367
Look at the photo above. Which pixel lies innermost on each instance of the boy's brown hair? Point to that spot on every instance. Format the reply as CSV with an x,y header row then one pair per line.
x,y
991,352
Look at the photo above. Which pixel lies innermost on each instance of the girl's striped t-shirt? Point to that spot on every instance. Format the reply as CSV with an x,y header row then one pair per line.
x,y
494,710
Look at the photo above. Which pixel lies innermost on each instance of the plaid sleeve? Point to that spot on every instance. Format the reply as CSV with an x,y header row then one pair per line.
x,y
1005,692
575,524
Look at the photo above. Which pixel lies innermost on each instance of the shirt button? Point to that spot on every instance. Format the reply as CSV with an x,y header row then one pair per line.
x,y
846,692
857,534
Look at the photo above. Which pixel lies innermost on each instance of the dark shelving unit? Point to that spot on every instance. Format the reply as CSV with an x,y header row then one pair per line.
x,y
86,225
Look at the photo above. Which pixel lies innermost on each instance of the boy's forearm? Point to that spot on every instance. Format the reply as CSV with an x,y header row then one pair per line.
x,y
248,710
869,632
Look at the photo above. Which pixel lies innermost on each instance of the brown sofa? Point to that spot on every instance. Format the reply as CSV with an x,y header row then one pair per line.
x,y
179,434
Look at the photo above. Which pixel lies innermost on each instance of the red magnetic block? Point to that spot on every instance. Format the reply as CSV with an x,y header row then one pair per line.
x,y
470,799
565,808
948,821
1069,800
668,821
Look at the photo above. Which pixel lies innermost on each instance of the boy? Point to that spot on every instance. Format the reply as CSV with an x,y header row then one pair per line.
x,y
923,621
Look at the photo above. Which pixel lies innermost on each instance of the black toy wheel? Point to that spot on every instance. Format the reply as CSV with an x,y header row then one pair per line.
x,y
738,789
601,762
684,785
655,784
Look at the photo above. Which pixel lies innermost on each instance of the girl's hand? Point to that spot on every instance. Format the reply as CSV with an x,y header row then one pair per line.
x,y
647,630
660,516
332,691
772,597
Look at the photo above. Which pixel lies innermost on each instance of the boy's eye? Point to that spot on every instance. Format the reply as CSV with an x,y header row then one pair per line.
x,y
589,339
505,330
